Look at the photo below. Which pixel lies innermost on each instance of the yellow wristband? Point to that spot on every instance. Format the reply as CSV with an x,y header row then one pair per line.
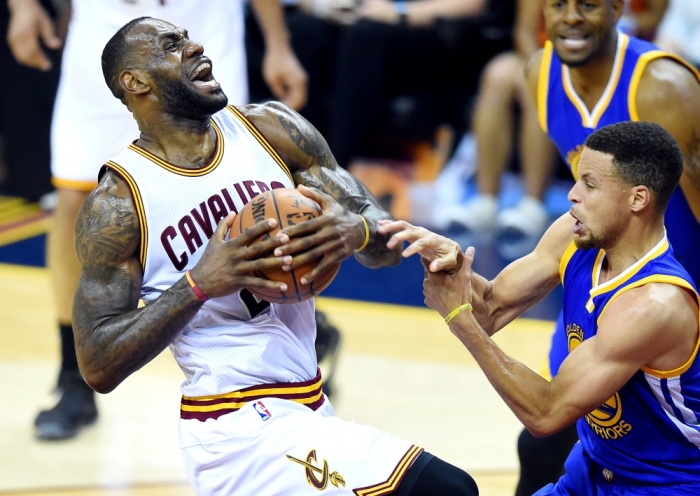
x,y
457,311
366,242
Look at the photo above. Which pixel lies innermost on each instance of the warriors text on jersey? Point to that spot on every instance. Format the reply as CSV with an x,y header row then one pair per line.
x,y
234,342
649,431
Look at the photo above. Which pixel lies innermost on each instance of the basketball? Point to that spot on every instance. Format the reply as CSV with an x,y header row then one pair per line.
x,y
289,207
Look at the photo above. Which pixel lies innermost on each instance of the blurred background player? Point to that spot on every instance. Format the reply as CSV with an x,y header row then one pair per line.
x,y
502,89
89,126
590,75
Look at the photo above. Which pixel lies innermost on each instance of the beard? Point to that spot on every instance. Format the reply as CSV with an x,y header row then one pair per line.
x,y
180,98
601,240
588,243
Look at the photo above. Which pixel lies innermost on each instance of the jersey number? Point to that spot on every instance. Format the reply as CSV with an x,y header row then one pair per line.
x,y
255,306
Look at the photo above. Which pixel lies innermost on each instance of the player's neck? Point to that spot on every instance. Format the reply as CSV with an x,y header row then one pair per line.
x,y
590,80
629,249
184,143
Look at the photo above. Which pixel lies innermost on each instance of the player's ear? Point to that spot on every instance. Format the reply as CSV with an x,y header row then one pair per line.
x,y
640,199
618,6
134,82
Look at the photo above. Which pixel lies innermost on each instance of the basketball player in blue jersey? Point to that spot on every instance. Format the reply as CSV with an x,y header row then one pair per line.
x,y
587,76
631,379
254,419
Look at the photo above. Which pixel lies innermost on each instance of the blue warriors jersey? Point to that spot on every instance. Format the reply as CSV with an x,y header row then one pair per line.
x,y
567,121
649,432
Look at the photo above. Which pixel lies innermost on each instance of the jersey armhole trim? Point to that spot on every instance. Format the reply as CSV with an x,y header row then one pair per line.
x,y
543,85
138,202
642,63
262,140
565,258
666,279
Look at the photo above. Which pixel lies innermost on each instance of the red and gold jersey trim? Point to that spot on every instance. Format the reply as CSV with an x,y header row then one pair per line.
x,y
202,408
184,171
390,485
138,203
261,139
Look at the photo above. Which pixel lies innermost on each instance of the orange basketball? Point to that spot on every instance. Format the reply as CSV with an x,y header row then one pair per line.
x,y
289,207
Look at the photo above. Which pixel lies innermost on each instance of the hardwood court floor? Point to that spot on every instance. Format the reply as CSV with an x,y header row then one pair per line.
x,y
401,370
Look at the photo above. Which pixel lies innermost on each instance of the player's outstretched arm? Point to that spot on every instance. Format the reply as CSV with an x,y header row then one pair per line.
x,y
113,337
340,231
518,287
654,326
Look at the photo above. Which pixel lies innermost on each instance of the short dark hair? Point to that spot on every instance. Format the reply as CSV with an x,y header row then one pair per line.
x,y
643,153
115,55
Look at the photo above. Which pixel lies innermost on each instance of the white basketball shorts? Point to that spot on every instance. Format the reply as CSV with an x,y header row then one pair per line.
x,y
279,447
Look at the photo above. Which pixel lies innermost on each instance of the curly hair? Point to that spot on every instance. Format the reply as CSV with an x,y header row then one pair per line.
x,y
643,153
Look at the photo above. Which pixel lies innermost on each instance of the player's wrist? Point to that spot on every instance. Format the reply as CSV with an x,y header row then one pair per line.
x,y
465,307
194,287
364,229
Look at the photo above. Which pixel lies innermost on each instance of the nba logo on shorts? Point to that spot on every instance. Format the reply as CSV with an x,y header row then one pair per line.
x,y
262,411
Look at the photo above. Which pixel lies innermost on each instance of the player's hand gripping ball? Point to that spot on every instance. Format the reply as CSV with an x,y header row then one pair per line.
x,y
289,207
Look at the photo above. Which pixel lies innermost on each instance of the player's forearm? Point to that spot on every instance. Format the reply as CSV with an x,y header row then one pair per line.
x,y
112,348
376,254
270,17
527,394
426,12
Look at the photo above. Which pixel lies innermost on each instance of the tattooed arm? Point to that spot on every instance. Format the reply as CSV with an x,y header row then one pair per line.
x,y
669,95
312,164
113,337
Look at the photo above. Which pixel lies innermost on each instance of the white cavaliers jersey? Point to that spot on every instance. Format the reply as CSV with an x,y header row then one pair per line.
x,y
235,341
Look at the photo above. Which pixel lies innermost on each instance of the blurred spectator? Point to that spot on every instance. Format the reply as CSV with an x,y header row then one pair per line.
x,y
502,89
26,105
421,50
314,36
679,31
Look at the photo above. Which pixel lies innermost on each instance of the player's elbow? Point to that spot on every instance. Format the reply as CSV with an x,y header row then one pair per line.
x,y
99,379
544,427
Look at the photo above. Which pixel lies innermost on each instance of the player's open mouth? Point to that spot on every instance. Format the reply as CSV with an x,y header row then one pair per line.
x,y
576,228
574,41
202,76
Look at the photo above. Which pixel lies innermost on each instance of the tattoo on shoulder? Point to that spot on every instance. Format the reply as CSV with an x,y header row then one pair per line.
x,y
107,229
308,141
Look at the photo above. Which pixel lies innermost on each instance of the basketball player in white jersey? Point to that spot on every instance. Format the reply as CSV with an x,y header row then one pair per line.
x,y
89,126
254,419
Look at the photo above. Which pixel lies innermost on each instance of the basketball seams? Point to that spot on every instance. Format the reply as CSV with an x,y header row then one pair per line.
x,y
292,273
296,292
